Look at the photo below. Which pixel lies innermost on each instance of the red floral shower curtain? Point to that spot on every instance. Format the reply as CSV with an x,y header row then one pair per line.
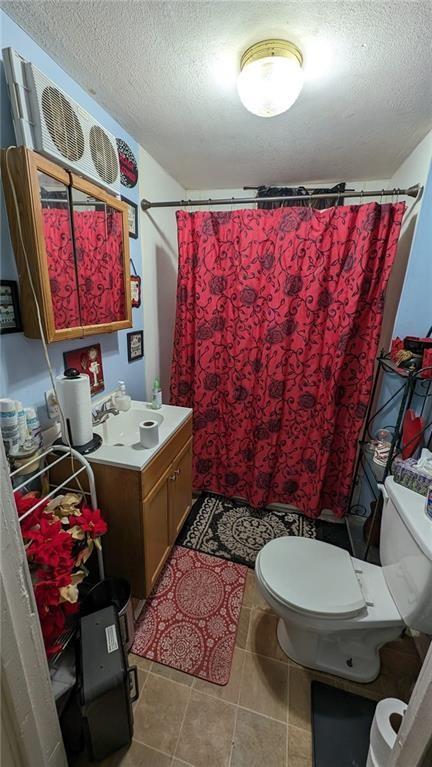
x,y
278,321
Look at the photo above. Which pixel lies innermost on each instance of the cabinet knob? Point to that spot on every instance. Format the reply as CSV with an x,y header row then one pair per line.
x,y
173,477
177,472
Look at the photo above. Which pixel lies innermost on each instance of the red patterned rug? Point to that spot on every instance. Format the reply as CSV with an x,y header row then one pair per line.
x,y
190,620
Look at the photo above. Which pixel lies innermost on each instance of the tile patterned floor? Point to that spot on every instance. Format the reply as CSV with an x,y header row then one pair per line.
x,y
261,717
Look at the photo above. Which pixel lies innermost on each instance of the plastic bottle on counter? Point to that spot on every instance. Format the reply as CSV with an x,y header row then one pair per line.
x,y
157,395
121,398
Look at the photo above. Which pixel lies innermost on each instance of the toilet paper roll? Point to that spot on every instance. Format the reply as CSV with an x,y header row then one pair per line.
x,y
383,735
75,402
149,433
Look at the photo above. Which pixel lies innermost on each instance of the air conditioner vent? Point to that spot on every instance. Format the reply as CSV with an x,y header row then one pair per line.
x,y
50,121
103,154
63,124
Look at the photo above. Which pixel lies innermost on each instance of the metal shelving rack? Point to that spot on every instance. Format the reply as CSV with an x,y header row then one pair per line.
x,y
412,384
73,455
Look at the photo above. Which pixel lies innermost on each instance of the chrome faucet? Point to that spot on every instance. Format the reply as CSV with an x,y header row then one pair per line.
x,y
106,409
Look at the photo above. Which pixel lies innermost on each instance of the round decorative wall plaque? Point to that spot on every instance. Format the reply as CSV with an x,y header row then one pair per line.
x,y
128,164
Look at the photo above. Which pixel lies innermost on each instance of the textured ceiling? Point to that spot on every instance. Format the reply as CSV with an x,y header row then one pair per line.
x,y
167,72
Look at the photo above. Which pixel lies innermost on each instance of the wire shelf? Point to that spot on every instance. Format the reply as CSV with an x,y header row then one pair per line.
x,y
73,455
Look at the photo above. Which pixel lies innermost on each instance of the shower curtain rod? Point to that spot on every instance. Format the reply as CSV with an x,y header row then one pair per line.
x,y
412,191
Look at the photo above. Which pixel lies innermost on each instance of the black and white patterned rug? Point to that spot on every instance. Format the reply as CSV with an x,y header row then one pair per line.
x,y
234,530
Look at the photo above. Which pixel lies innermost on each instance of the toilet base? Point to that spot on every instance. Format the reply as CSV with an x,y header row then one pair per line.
x,y
350,654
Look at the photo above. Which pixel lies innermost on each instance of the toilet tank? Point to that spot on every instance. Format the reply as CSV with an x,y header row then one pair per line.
x,y
406,554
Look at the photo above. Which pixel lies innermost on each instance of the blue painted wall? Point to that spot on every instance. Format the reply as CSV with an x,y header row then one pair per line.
x,y
23,370
414,316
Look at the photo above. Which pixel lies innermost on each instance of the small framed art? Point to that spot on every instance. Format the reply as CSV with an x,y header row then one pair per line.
x,y
87,360
135,345
10,318
135,283
132,218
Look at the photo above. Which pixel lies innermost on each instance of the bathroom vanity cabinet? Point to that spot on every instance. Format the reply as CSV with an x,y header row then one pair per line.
x,y
145,510
75,237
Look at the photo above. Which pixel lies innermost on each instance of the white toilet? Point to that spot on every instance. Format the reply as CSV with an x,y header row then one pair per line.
x,y
337,611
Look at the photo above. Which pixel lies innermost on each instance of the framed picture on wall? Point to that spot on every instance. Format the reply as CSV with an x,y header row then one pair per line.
x,y
135,281
10,318
135,345
132,218
87,360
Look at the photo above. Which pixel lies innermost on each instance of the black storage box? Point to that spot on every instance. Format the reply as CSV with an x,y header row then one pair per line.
x,y
108,687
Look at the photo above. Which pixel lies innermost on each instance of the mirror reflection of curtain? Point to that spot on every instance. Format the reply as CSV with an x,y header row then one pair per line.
x,y
278,191
87,286
99,254
61,267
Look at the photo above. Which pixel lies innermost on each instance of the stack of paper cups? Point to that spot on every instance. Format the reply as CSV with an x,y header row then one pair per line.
x,y
9,424
33,424
22,422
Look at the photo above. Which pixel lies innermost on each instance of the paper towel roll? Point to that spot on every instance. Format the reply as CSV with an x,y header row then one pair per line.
x,y
383,736
75,401
149,433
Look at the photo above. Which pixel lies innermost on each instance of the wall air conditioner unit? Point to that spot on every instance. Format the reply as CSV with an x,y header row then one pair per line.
x,y
49,121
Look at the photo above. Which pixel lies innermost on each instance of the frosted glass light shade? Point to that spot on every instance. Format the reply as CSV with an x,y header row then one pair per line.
x,y
269,85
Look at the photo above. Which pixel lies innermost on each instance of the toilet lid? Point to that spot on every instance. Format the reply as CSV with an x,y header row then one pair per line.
x,y
311,576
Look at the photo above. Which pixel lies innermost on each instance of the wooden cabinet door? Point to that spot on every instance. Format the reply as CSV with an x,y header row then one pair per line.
x,y
180,491
155,532
75,235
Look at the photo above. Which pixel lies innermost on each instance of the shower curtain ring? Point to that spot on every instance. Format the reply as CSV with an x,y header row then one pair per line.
x,y
382,195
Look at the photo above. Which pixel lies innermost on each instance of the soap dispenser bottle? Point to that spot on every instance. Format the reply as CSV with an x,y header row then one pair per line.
x,y
157,395
122,400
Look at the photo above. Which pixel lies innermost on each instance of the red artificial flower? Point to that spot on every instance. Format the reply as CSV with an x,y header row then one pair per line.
x,y
47,592
90,521
24,503
51,545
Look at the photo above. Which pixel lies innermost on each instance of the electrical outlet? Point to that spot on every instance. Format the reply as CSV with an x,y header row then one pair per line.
x,y
52,405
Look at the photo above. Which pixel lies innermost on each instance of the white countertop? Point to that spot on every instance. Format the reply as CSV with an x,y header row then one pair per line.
x,y
121,439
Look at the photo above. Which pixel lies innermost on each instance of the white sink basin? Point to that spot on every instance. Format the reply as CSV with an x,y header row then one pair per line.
x,y
121,444
122,430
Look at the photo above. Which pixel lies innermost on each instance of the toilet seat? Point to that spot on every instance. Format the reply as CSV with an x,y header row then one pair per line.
x,y
311,577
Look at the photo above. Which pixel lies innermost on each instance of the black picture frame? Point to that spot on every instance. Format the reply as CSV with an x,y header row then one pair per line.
x,y
135,345
10,316
132,218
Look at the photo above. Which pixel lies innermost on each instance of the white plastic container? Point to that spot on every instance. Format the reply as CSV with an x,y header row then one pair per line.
x,y
33,424
121,400
384,730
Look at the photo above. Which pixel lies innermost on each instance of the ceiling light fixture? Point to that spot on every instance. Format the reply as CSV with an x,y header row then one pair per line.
x,y
271,77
